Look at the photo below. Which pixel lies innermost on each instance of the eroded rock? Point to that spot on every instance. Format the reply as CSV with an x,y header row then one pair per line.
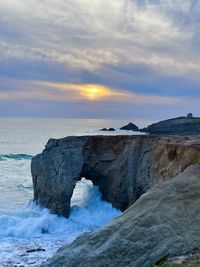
x,y
164,222
123,167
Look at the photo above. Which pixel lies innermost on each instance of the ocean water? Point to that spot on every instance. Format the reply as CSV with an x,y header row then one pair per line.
x,y
28,233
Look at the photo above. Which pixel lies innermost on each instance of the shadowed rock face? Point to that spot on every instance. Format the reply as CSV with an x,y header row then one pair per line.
x,y
123,167
165,221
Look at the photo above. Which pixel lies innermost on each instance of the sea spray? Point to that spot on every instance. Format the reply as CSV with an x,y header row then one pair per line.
x,y
34,228
34,222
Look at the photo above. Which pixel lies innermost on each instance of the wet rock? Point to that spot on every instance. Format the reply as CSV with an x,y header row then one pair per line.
x,y
30,250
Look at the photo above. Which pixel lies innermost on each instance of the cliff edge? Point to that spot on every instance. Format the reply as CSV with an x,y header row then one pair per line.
x,y
124,167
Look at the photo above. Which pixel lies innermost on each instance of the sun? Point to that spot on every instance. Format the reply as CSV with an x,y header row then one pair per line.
x,y
95,92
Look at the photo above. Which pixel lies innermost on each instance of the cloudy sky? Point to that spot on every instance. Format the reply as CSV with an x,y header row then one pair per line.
x,y
99,58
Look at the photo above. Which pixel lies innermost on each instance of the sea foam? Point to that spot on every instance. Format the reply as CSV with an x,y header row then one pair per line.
x,y
88,214
37,228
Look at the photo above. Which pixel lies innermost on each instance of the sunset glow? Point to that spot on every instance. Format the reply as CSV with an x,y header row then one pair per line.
x,y
95,92
79,92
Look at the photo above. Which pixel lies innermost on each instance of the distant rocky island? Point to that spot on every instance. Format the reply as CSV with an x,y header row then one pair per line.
x,y
130,127
185,125
154,179
107,130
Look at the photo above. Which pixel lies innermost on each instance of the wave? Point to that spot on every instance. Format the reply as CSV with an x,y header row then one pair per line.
x,y
34,227
91,213
15,156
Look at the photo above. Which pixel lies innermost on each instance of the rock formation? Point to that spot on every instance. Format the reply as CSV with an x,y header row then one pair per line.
x,y
190,259
107,130
130,127
181,125
165,221
123,167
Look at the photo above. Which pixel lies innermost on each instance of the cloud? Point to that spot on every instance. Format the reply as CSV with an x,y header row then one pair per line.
x,y
95,92
85,35
141,52
50,99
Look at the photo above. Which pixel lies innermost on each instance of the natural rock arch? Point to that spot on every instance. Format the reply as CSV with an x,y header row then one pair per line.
x,y
57,170
123,167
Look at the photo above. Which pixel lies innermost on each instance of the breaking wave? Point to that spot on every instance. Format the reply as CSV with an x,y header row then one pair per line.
x,y
15,156
89,214
35,228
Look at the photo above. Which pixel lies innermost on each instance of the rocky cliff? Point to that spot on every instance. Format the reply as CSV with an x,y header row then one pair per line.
x,y
123,167
164,222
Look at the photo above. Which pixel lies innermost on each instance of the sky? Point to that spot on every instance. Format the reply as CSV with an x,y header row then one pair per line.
x,y
114,59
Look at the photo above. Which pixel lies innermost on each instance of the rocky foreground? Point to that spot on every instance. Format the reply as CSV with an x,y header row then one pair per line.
x,y
156,180
164,222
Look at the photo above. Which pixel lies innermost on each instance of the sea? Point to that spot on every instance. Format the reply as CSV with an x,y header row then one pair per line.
x,y
30,234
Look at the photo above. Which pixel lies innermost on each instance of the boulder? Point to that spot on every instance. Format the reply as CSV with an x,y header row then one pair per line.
x,y
164,222
130,127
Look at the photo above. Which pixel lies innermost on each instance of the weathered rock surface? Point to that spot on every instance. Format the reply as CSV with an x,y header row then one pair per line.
x,y
130,127
181,125
190,259
165,221
123,167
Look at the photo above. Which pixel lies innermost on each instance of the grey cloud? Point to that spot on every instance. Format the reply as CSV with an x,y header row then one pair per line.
x,y
85,35
146,46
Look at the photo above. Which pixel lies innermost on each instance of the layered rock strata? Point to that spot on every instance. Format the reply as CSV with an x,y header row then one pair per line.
x,y
124,167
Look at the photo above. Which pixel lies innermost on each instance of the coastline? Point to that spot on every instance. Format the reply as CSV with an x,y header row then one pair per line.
x,y
157,158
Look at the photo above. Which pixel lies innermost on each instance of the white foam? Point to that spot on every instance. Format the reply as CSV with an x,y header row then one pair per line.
x,y
37,228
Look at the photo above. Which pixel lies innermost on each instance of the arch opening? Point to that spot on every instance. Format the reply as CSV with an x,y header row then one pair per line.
x,y
88,208
80,192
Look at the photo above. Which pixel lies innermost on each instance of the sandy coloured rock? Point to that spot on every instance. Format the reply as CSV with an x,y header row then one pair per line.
x,y
165,221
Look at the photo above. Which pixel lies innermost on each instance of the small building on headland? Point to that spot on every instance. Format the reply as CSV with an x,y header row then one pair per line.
x,y
185,125
189,115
